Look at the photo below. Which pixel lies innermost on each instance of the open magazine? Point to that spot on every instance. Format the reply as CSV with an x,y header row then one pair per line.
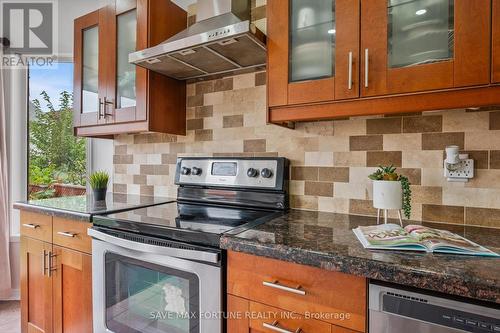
x,y
417,238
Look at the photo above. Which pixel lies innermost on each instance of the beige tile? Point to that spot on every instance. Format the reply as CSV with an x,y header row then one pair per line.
x,y
472,197
258,145
317,158
351,191
485,179
422,159
244,81
433,177
414,175
349,127
297,187
395,142
333,205
482,140
211,99
315,128
333,143
461,121
359,175
349,159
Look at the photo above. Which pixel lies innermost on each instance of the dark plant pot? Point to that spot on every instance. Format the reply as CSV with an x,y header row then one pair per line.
x,y
99,194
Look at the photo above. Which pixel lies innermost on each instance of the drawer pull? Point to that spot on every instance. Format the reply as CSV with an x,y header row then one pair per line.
x,y
275,327
66,234
298,290
31,225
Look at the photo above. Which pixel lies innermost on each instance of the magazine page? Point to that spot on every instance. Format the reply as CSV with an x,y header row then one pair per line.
x,y
387,236
445,241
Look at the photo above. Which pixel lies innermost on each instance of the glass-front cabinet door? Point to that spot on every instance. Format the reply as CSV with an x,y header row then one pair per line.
x,y
121,102
417,45
89,83
313,50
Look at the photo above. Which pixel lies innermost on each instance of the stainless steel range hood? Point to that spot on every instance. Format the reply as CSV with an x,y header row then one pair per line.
x,y
222,41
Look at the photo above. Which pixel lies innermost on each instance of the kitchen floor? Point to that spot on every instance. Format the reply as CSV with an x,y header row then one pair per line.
x,y
10,317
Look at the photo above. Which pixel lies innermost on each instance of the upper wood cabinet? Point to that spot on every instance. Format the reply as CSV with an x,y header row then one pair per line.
x,y
495,42
338,58
112,96
313,51
420,45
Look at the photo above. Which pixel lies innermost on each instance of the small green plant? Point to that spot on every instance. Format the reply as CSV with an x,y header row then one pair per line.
x,y
388,173
99,180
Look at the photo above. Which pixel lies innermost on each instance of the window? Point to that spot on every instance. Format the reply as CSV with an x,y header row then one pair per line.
x,y
56,158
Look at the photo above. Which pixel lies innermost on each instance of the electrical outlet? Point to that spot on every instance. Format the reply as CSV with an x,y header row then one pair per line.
x,y
462,172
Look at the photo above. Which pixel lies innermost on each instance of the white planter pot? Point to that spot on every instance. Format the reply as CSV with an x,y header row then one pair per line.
x,y
387,194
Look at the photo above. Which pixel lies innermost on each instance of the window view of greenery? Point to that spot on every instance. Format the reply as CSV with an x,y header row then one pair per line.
x,y
56,161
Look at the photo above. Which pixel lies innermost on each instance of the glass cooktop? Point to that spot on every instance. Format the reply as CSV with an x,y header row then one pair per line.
x,y
188,222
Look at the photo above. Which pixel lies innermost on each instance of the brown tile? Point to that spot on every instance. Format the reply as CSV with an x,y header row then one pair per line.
x,y
147,190
258,145
495,159
366,142
191,20
439,141
140,179
194,124
203,135
260,79
304,202
427,194
480,158
383,125
414,175
204,87
168,158
147,169
120,188
333,174
123,159
232,121
121,150
484,217
321,189
304,173
422,124
196,100
444,214
376,158
204,111
361,207
223,84
495,120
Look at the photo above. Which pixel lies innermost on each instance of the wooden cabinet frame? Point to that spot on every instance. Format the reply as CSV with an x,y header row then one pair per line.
x,y
495,42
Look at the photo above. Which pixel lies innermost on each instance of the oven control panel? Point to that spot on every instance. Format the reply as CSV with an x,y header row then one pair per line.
x,y
265,173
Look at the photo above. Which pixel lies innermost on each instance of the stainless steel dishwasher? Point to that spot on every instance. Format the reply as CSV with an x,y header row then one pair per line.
x,y
394,310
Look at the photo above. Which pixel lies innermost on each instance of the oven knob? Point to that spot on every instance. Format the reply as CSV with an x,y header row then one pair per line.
x,y
185,171
196,171
251,172
266,173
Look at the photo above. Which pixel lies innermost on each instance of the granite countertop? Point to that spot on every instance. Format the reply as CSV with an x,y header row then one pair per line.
x,y
83,207
326,240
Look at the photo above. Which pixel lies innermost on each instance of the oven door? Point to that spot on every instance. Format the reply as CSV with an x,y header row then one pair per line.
x,y
140,287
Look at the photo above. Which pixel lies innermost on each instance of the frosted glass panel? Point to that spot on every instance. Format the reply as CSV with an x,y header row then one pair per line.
x,y
419,31
90,77
125,72
312,39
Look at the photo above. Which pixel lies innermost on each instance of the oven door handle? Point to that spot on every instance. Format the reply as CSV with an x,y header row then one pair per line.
x,y
161,250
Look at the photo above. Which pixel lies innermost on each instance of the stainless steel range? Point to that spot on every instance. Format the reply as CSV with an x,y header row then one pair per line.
x,y
160,269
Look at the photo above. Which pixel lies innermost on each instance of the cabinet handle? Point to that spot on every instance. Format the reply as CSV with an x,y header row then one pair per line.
x,y
44,262
106,102
49,268
275,327
99,106
298,290
367,66
349,82
66,234
31,225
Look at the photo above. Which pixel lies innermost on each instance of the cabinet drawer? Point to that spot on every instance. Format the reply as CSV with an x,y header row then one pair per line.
x,y
38,226
337,298
72,234
267,319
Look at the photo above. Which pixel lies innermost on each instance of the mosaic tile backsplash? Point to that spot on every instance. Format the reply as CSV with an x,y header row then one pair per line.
x,y
330,160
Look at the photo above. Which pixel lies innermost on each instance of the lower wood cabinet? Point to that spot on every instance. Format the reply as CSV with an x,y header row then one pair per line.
x,y
267,295
56,279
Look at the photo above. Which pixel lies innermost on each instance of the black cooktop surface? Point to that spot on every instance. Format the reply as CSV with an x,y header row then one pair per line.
x,y
188,222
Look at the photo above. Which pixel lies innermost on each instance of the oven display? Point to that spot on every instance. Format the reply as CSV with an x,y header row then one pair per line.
x,y
224,168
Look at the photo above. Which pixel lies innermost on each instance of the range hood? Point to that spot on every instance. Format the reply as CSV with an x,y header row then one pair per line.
x,y
221,42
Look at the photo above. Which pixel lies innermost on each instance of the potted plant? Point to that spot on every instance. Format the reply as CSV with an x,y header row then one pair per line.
x,y
99,183
391,191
